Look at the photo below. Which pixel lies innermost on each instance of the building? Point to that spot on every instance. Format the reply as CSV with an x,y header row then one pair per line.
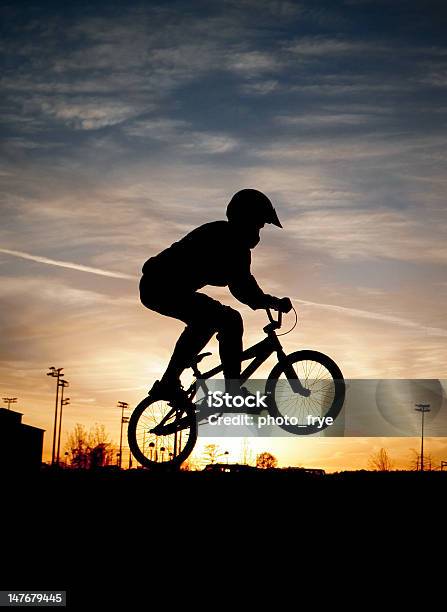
x,y
20,444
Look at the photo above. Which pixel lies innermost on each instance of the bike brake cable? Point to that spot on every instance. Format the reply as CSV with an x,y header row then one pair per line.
x,y
293,326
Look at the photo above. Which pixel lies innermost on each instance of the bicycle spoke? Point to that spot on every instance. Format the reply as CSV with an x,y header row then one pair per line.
x,y
162,414
316,378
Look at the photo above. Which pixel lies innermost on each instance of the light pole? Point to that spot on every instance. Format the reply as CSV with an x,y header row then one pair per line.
x,y
422,408
64,402
57,373
151,451
123,406
9,401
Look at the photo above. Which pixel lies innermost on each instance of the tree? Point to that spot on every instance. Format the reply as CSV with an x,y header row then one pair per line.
x,y
415,464
98,435
77,446
212,453
190,465
101,450
266,461
381,461
415,461
247,455
91,449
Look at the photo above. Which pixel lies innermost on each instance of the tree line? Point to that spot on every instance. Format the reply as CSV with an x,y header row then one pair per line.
x,y
90,449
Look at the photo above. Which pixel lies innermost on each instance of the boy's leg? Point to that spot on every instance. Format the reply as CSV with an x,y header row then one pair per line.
x,y
190,343
204,317
231,329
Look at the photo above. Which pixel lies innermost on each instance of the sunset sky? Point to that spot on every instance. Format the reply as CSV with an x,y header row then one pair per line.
x,y
125,125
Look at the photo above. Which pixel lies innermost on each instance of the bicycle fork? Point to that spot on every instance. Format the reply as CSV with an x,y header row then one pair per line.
x,y
292,376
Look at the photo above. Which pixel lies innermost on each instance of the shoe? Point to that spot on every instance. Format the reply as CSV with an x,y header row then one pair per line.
x,y
164,390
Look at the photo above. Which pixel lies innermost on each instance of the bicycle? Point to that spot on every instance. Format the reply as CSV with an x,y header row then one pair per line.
x,y
163,432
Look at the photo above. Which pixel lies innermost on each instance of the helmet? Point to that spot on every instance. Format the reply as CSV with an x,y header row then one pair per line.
x,y
252,207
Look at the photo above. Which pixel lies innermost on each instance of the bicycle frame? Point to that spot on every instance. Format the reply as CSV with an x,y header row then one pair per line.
x,y
259,353
187,409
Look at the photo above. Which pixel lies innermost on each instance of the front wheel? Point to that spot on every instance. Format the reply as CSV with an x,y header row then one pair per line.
x,y
162,434
305,385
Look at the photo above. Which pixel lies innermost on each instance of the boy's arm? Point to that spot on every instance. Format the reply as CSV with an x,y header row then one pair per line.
x,y
244,287
246,290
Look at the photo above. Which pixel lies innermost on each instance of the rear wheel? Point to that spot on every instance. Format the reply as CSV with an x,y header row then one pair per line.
x,y
165,446
323,380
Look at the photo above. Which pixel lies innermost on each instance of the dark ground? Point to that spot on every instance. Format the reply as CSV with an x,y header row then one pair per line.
x,y
111,537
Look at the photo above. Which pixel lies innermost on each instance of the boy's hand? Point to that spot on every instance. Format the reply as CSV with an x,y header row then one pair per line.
x,y
282,304
285,304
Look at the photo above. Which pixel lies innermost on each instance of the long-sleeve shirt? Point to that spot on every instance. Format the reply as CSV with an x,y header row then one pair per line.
x,y
213,254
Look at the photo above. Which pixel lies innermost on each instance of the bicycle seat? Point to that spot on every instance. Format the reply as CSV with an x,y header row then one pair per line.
x,y
198,359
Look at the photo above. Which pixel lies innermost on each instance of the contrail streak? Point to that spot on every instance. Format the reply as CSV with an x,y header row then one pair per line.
x,y
68,264
353,312
366,314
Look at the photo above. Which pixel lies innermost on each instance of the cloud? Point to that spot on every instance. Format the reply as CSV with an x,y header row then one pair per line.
x,y
375,316
436,78
383,145
252,62
74,294
180,134
261,87
159,128
126,129
319,46
322,151
325,120
89,114
371,234
20,142
210,143
56,292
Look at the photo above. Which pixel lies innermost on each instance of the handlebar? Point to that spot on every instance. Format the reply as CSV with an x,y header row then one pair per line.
x,y
276,322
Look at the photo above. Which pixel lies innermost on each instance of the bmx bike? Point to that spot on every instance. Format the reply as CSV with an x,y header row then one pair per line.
x,y
162,432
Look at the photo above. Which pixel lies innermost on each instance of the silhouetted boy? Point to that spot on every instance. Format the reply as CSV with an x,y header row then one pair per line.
x,y
217,254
